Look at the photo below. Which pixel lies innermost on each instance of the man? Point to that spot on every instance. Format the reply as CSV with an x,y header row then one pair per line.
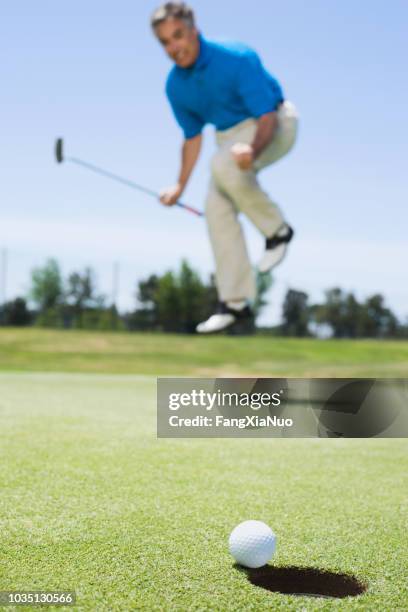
x,y
226,85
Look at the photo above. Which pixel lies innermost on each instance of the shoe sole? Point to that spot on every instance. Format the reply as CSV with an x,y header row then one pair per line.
x,y
275,265
241,327
215,331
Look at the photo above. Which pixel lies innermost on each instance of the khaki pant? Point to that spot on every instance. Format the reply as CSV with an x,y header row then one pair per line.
x,y
233,191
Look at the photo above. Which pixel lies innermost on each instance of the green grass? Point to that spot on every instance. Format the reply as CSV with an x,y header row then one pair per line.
x,y
92,501
158,354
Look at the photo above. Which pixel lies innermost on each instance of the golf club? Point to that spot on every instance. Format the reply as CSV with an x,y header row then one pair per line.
x,y
59,154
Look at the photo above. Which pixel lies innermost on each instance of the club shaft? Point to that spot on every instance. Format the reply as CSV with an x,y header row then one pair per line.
x,y
124,181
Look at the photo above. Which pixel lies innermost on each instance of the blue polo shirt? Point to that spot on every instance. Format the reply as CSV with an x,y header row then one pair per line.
x,y
227,84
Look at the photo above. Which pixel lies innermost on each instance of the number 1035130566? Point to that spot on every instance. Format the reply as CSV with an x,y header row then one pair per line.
x,y
45,598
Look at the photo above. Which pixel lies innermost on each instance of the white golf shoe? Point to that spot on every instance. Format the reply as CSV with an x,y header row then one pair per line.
x,y
275,248
223,319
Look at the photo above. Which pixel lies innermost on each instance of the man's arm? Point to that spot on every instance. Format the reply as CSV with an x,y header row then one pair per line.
x,y
245,154
189,155
267,125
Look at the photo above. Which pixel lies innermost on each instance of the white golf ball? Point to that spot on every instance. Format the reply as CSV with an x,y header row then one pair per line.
x,y
252,543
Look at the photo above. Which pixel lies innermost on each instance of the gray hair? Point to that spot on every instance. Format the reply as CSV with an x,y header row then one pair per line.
x,y
173,10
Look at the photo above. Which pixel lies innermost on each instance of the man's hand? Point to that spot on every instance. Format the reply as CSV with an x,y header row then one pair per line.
x,y
243,155
169,196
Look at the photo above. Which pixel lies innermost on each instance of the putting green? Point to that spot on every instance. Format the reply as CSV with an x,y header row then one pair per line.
x,y
92,501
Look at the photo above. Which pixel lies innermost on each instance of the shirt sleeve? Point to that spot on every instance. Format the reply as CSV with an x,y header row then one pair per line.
x,y
259,91
189,122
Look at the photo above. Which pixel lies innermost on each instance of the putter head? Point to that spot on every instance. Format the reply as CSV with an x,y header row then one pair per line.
x,y
59,150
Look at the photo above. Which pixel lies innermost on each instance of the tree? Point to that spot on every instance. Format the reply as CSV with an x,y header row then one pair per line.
x,y
168,301
81,294
146,316
335,311
15,313
263,284
377,319
80,289
350,319
146,293
46,286
192,298
174,302
295,314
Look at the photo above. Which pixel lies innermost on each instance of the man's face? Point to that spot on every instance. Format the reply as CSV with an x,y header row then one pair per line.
x,y
179,41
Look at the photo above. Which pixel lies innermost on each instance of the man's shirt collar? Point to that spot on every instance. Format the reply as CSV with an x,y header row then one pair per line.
x,y
204,56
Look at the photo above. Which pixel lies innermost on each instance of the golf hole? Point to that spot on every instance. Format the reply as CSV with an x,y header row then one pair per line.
x,y
306,581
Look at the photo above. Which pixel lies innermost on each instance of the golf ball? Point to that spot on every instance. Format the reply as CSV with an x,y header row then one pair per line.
x,y
252,543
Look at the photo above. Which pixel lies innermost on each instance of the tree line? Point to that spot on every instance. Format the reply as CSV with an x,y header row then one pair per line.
x,y
340,315
177,301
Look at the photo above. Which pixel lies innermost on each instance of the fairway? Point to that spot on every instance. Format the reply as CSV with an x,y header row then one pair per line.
x,y
44,350
92,501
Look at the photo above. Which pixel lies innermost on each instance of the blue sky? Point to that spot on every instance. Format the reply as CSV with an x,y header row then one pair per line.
x,y
93,73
